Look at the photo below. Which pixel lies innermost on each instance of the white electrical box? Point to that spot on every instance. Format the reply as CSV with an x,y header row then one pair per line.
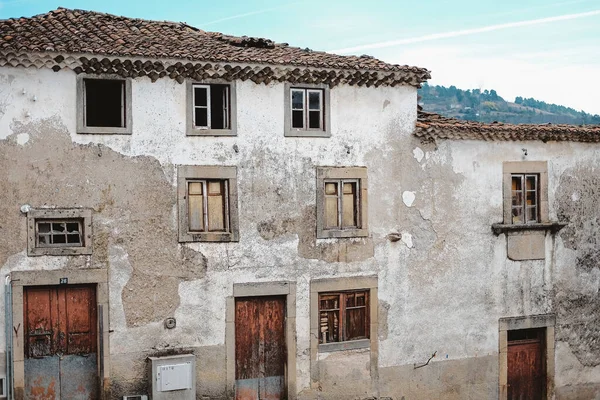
x,y
174,377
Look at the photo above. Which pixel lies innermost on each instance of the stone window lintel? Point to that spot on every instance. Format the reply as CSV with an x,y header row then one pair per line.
x,y
553,227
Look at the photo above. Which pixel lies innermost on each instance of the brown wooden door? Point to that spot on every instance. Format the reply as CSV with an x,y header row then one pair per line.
x,y
526,366
260,351
60,342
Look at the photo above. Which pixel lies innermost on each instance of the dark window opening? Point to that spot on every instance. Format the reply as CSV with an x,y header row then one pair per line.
x,y
212,106
104,103
526,334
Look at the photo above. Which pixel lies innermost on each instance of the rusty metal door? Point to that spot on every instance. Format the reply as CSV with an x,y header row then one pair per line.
x,y
260,351
60,342
527,365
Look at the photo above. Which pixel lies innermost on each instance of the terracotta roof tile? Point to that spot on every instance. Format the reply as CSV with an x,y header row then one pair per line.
x,y
431,127
78,31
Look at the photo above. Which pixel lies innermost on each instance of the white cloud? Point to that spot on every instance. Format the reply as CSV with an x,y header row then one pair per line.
x,y
465,32
250,13
568,84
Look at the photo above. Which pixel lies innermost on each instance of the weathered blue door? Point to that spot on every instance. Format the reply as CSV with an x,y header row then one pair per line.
x,y
60,342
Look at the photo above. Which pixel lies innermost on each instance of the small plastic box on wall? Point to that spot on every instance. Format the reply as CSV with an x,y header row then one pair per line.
x,y
173,377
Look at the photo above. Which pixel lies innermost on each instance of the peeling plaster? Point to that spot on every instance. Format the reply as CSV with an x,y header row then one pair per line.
x,y
407,239
22,138
418,154
87,178
408,198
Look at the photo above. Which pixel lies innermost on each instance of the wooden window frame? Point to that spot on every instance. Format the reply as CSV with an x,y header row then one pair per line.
x,y
126,107
224,183
340,203
526,168
524,207
345,284
230,109
342,312
341,175
325,115
36,216
195,173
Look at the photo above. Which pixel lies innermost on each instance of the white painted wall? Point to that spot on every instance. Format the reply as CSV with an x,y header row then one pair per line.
x,y
446,282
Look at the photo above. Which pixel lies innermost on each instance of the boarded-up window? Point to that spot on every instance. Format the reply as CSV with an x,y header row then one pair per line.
x,y
208,209
211,105
342,204
343,316
525,198
307,109
207,203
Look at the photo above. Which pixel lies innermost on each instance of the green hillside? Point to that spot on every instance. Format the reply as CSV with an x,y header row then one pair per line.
x,y
487,106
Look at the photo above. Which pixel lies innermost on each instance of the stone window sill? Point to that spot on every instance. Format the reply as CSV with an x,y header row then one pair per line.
x,y
349,345
553,227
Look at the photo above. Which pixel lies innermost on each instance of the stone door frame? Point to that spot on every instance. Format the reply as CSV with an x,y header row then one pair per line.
x,y
21,279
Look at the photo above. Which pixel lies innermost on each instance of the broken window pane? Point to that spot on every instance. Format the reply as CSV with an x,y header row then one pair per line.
x,y
329,318
58,227
104,102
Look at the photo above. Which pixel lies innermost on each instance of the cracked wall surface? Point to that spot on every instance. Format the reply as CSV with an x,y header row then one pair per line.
x,y
578,296
444,278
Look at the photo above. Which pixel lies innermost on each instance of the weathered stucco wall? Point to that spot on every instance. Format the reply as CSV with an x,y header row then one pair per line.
x,y
442,288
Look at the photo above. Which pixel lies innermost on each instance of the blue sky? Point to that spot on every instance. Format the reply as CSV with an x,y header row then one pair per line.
x,y
547,49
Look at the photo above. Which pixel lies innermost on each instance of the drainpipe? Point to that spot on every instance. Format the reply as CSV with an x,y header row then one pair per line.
x,y
9,337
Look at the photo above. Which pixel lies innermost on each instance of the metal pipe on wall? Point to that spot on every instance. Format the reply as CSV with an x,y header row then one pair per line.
x,y
9,337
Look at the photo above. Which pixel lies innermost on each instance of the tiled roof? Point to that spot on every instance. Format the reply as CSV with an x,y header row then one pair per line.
x,y
67,32
431,127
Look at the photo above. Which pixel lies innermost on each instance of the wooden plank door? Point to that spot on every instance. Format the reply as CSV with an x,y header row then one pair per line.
x,y
526,366
260,351
60,342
